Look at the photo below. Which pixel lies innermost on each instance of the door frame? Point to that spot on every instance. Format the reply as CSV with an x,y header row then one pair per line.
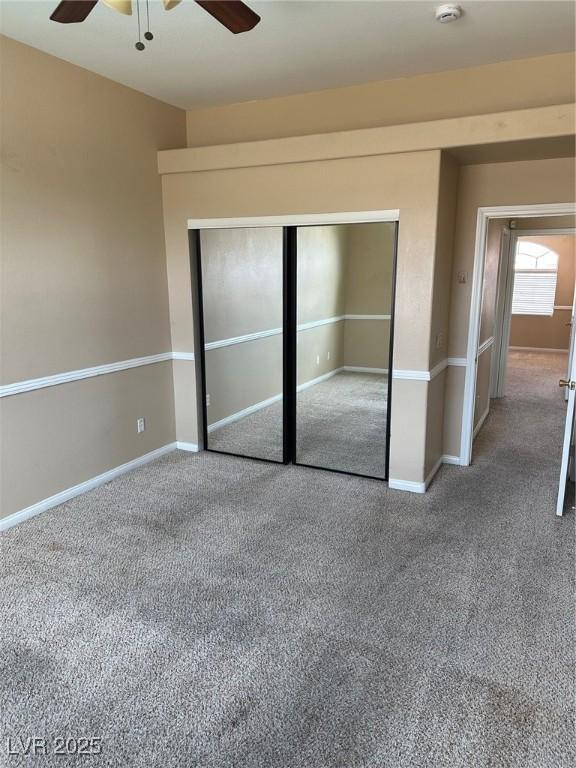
x,y
504,303
484,214
289,224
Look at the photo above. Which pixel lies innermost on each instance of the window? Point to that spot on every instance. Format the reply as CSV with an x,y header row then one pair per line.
x,y
535,275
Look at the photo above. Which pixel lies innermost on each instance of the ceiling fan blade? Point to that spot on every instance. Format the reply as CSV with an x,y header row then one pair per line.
x,y
72,11
235,15
122,6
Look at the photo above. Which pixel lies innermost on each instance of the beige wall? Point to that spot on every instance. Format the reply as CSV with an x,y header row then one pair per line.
x,y
321,272
359,171
321,290
57,437
241,281
84,276
476,90
369,289
553,332
83,272
439,323
411,184
491,184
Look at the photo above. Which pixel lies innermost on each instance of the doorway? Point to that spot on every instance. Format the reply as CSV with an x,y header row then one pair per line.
x,y
515,296
295,329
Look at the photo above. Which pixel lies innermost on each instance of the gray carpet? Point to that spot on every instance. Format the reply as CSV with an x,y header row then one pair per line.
x,y
341,424
213,612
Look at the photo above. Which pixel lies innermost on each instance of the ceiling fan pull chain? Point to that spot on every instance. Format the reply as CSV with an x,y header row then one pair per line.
x,y
148,35
139,45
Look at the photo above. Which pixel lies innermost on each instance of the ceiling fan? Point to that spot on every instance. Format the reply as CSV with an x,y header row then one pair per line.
x,y
233,14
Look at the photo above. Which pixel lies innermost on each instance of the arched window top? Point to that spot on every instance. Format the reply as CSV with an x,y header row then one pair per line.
x,y
534,256
535,276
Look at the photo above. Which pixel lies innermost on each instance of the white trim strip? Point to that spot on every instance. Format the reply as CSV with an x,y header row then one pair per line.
x,y
241,339
84,373
528,211
428,375
296,220
438,368
537,349
324,321
398,373
88,485
277,331
183,356
99,370
485,345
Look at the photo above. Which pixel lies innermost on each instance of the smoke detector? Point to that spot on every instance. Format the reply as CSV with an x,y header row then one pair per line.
x,y
446,13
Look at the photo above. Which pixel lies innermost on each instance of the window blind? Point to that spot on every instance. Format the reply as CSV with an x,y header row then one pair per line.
x,y
534,292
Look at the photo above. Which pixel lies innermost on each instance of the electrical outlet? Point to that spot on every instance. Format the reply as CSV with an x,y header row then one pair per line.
x,y
141,425
328,356
439,341
207,399
462,277
317,359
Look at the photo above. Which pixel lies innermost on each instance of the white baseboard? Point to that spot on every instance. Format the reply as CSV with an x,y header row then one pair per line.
x,y
269,401
193,447
244,412
480,424
318,379
537,349
362,369
406,485
77,490
447,459
415,487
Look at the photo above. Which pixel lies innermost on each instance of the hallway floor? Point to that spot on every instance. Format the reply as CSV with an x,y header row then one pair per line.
x,y
214,612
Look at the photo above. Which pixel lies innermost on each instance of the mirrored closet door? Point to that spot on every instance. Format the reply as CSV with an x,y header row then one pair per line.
x,y
344,299
242,317
295,338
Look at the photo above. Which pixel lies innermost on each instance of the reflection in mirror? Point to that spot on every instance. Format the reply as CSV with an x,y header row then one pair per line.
x,y
344,304
242,312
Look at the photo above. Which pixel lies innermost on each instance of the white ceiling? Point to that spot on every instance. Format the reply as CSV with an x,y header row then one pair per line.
x,y
300,45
